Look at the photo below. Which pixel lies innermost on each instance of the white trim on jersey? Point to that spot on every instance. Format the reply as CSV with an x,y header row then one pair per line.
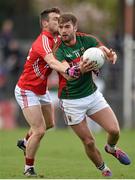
x,y
36,68
46,45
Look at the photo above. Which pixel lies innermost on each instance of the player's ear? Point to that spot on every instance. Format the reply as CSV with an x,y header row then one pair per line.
x,y
44,23
75,27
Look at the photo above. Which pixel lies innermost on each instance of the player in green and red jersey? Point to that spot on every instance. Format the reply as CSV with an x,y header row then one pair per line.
x,y
83,86
80,97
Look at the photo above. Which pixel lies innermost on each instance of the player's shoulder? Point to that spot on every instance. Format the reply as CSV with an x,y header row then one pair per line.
x,y
82,34
35,43
42,38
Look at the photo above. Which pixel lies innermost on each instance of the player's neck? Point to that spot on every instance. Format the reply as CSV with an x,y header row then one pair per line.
x,y
54,34
71,43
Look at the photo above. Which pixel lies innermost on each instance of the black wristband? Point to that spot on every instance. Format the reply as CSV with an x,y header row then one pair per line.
x,y
67,71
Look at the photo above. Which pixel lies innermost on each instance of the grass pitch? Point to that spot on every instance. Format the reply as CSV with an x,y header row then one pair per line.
x,y
61,156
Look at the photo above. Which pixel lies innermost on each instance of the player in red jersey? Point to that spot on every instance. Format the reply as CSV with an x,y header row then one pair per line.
x,y
31,90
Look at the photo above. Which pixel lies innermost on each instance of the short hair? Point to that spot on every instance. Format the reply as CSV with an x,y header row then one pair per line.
x,y
66,17
45,13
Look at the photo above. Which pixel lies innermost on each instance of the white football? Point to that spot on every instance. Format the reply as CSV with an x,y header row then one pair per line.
x,y
95,54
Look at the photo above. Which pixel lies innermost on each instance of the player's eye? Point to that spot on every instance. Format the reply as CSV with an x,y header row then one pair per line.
x,y
60,27
67,26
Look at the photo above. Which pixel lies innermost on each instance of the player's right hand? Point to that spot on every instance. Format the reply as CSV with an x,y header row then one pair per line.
x,y
86,66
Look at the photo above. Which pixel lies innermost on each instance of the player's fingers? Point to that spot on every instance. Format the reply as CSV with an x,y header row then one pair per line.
x,y
114,58
90,66
81,58
111,50
85,61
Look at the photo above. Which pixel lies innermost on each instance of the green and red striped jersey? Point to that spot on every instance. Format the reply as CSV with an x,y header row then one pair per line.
x,y
84,85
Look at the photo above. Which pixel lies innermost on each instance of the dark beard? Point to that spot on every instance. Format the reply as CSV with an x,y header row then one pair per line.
x,y
71,37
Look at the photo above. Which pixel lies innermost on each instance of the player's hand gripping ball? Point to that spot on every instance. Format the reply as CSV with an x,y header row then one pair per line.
x,y
96,55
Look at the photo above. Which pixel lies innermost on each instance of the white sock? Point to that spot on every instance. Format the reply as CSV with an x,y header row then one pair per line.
x,y
106,169
102,167
25,141
27,167
111,148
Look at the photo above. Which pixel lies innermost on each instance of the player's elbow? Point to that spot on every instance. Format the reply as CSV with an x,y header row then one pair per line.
x,y
53,63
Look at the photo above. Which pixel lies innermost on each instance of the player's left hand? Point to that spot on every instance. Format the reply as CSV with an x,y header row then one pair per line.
x,y
110,54
73,71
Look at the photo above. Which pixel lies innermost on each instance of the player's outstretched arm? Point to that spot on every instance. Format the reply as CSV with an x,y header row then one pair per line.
x,y
73,71
55,64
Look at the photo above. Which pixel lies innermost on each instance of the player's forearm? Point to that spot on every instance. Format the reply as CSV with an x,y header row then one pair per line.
x,y
73,71
55,64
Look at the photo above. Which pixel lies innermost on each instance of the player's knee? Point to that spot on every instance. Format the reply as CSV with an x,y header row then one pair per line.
x,y
40,133
114,132
89,142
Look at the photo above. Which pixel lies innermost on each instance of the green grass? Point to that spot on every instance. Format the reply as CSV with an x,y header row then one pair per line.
x,y
61,156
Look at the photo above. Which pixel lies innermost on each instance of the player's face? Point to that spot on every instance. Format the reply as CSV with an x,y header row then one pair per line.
x,y
67,31
53,22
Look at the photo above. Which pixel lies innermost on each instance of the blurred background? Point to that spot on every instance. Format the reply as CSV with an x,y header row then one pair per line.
x,y
112,21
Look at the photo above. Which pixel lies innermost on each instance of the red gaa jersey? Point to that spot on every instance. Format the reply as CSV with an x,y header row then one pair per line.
x,y
36,70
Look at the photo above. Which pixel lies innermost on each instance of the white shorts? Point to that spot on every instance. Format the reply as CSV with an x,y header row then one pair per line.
x,y
27,98
76,110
